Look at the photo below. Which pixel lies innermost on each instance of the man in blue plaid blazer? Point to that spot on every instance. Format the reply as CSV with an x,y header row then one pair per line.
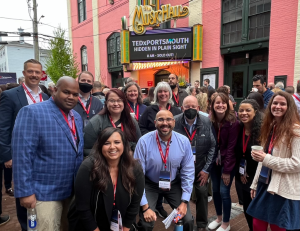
x,y
47,150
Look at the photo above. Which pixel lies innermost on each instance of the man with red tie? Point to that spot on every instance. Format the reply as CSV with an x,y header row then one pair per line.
x,y
10,104
87,105
178,94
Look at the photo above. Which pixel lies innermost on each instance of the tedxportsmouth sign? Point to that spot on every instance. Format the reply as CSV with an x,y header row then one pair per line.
x,y
145,16
166,44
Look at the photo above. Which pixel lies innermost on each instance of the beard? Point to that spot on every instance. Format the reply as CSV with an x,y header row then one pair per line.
x,y
163,133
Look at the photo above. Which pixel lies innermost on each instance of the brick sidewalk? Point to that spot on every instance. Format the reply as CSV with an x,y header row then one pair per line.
x,y
237,223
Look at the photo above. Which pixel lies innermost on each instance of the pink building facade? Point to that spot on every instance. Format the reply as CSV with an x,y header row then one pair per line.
x,y
241,38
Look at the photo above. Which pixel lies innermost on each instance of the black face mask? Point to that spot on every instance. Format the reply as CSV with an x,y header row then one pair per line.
x,y
173,86
190,113
85,87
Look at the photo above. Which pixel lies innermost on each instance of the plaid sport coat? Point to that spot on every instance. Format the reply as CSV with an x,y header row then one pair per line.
x,y
45,158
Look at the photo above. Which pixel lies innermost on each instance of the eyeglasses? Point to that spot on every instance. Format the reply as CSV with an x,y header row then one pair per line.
x,y
161,120
118,101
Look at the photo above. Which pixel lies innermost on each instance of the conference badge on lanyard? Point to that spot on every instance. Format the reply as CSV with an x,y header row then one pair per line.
x,y
243,167
164,176
116,218
243,163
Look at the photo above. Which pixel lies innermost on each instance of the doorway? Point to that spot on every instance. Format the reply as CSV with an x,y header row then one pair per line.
x,y
242,69
116,79
162,76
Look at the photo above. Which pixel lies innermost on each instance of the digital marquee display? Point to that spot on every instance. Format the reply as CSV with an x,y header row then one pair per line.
x,y
167,44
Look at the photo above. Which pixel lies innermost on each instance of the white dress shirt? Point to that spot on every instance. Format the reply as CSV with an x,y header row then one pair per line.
x,y
36,97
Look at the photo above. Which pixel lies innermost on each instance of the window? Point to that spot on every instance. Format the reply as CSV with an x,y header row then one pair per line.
x,y
259,19
113,50
84,58
232,21
235,12
81,11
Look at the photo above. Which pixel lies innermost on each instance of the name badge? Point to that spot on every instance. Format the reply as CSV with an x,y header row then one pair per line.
x,y
243,167
85,122
116,221
194,153
164,180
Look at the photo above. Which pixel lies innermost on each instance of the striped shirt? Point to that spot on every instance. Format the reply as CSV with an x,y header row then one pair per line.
x,y
267,96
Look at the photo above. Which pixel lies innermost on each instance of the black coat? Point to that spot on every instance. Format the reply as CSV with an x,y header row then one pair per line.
x,y
96,107
84,215
146,121
206,144
11,103
182,95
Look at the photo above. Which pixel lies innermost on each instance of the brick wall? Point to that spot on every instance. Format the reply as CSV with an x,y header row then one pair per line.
x,y
211,18
282,39
297,52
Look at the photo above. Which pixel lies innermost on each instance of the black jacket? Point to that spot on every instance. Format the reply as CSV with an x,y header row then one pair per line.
x,y
182,95
96,125
205,142
146,121
96,107
11,103
84,215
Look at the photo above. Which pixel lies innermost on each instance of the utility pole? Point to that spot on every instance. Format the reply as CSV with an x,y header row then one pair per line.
x,y
35,32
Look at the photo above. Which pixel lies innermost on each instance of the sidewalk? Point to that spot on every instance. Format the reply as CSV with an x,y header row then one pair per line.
x,y
237,223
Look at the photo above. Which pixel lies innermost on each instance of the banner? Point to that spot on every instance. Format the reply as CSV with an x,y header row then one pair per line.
x,y
8,77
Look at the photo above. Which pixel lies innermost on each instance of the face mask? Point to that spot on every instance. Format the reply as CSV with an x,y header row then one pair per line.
x,y
85,87
190,113
173,86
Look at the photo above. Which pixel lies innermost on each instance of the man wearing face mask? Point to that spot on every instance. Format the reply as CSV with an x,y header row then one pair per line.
x,y
87,105
198,129
178,94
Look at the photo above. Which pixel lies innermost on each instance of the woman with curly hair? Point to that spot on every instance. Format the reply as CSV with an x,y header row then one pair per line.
x,y
276,185
108,182
251,119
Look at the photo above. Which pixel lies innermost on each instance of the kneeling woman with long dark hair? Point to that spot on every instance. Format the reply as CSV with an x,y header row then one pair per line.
x,y
108,187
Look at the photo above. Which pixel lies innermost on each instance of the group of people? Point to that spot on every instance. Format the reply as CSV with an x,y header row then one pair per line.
x,y
86,160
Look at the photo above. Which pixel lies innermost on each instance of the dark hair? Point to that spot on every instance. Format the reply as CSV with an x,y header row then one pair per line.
x,y
151,94
197,81
259,100
0,92
97,84
44,89
290,90
229,116
3,87
126,118
175,75
257,120
284,131
11,85
132,83
207,80
100,172
261,78
298,87
85,72
224,90
31,61
204,89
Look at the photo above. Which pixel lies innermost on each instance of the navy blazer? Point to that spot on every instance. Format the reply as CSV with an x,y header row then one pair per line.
x,y
10,104
45,158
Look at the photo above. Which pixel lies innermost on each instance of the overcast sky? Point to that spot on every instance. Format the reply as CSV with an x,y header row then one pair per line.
x,y
55,12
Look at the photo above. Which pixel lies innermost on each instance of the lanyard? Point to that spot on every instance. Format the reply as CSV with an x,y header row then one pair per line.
x,y
245,144
167,108
113,124
193,134
271,145
30,96
176,98
115,189
296,97
219,134
87,111
164,158
137,110
73,128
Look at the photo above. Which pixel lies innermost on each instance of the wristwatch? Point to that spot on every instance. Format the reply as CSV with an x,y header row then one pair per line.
x,y
184,201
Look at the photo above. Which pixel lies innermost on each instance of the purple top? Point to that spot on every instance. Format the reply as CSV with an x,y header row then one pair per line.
x,y
228,137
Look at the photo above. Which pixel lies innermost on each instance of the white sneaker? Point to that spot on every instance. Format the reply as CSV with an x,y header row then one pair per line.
x,y
209,199
214,225
237,206
221,229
